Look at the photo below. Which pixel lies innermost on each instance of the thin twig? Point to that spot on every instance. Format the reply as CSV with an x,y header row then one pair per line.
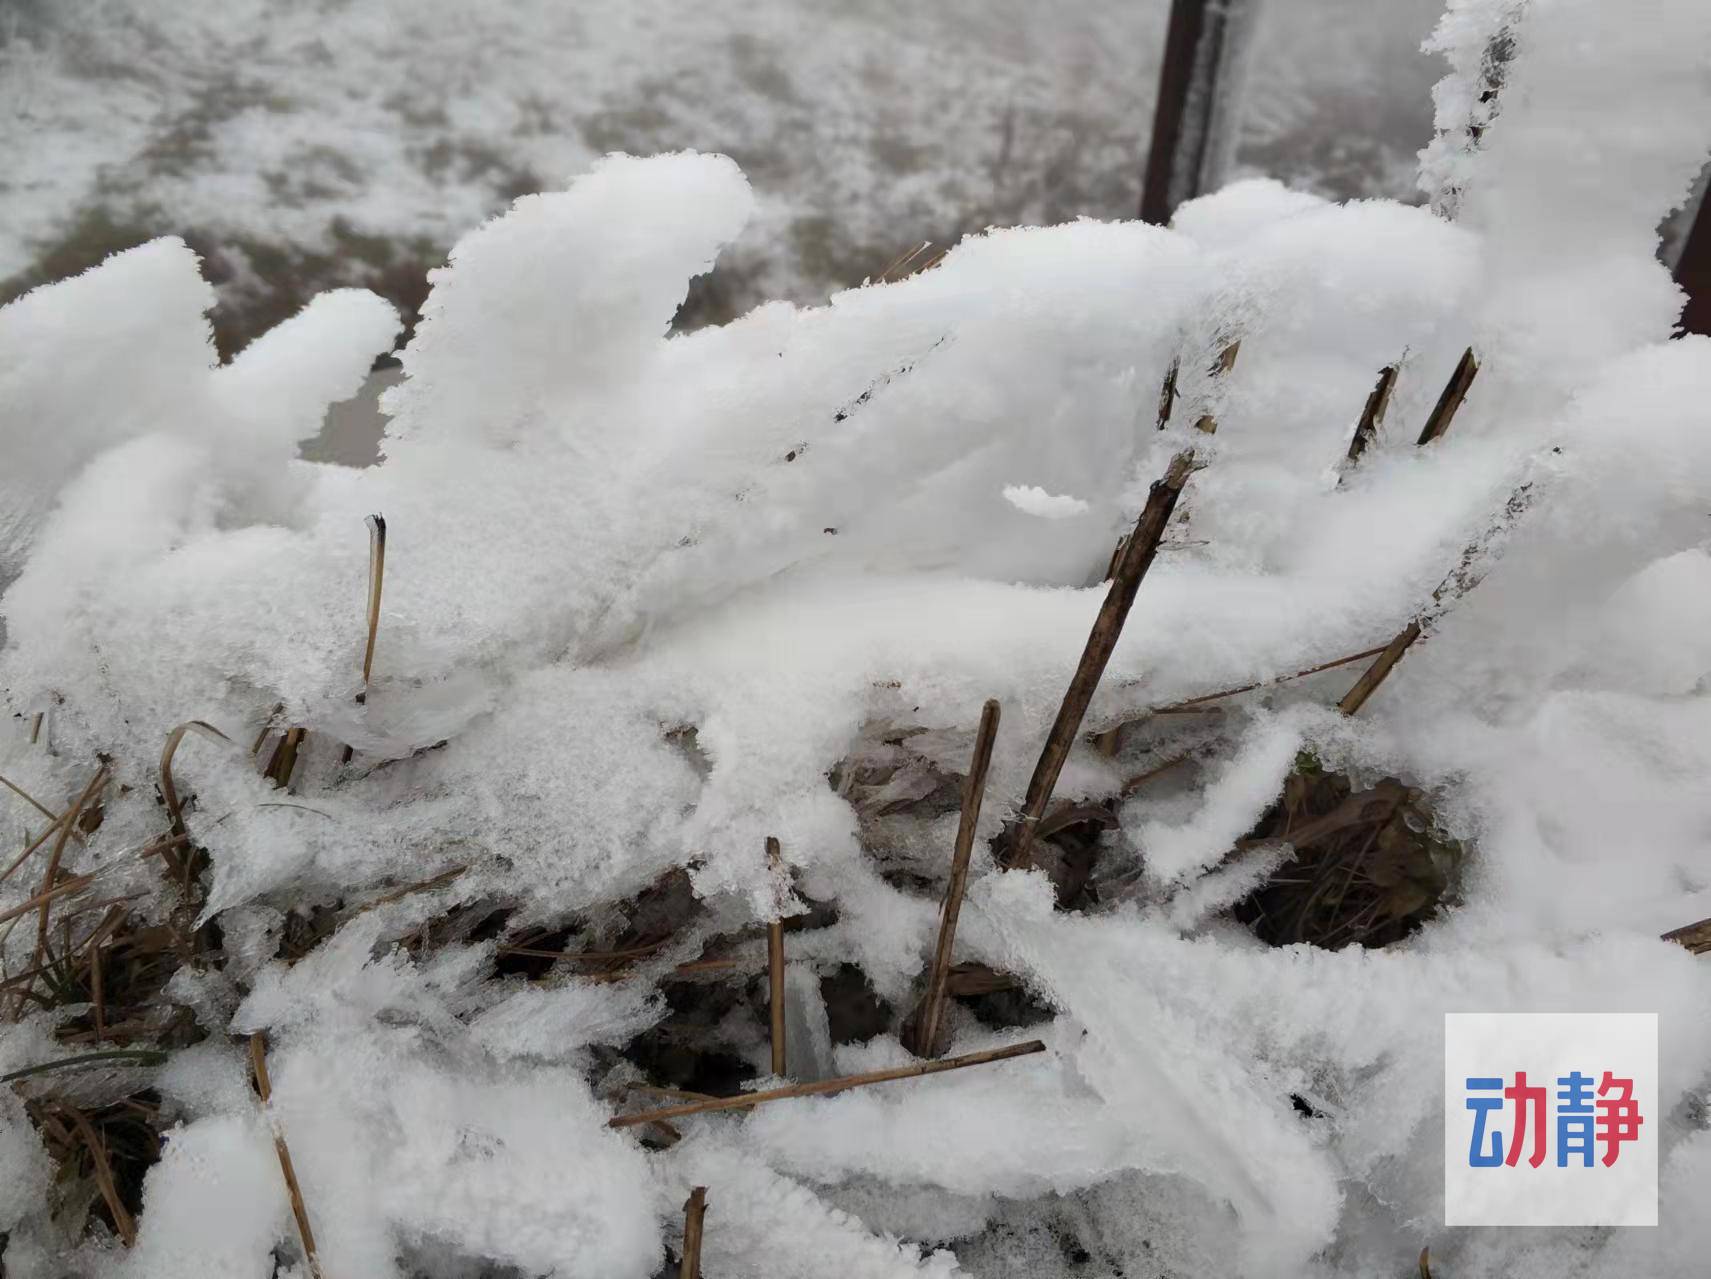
x,y
1101,643
1455,391
973,789
826,1086
264,1086
1188,704
775,969
694,1212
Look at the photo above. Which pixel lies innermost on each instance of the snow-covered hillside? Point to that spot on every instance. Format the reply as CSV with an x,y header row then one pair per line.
x,y
306,146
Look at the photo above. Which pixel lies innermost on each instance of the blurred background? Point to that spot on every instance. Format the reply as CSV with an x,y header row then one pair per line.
x,y
300,145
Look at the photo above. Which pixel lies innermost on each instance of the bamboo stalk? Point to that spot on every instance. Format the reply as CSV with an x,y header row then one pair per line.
x,y
973,789
1101,643
827,1086
694,1218
264,1086
1455,391
1372,416
775,970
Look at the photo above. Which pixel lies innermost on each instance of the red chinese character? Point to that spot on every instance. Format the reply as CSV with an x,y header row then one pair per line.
x,y
1619,1117
1524,1096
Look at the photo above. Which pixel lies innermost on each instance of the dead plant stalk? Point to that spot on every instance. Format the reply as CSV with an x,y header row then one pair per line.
x,y
1137,558
973,789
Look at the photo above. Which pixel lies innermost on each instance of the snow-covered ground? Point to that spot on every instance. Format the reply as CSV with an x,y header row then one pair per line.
x,y
304,146
653,597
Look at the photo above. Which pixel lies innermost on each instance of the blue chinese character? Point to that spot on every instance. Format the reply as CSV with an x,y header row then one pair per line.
x,y
1574,1118
1481,1107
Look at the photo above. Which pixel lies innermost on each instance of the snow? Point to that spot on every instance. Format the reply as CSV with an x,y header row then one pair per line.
x,y
646,593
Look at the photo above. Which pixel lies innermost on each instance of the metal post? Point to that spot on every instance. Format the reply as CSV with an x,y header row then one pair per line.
x,y
1693,271
1194,120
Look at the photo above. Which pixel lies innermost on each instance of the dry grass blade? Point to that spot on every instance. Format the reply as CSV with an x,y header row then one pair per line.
x,y
694,1215
46,895
30,799
1455,391
134,1056
425,886
825,1087
1426,1263
33,845
376,578
973,789
1696,937
169,791
36,729
1372,416
65,887
264,1086
1101,643
775,970
104,1182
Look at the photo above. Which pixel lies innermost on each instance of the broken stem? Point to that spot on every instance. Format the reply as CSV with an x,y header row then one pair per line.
x,y
264,1086
1455,391
694,1213
1137,558
1372,416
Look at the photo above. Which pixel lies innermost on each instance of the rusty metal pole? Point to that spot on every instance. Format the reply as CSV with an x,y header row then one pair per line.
x,y
1194,119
